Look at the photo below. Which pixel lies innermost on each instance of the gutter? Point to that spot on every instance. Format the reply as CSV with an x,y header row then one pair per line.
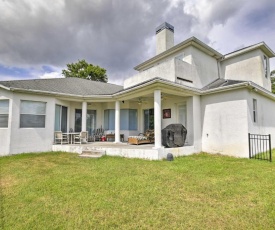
x,y
58,94
5,87
157,80
250,85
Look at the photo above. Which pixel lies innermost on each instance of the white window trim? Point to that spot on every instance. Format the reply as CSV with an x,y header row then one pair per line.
x,y
8,114
265,66
254,110
32,114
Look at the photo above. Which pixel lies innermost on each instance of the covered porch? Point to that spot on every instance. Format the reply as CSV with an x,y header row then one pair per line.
x,y
133,111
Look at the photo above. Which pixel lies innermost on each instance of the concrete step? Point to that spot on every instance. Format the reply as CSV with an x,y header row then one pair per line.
x,y
92,153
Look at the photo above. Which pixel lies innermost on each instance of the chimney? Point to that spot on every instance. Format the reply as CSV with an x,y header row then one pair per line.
x,y
165,37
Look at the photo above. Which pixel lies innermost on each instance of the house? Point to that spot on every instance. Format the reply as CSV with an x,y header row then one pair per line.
x,y
218,98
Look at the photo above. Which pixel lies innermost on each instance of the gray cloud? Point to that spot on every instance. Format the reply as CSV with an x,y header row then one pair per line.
x,y
115,34
109,33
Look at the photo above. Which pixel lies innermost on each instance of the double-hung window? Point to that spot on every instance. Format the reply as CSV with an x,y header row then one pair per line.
x,y
32,114
4,113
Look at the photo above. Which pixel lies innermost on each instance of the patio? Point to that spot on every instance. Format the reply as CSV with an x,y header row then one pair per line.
x,y
123,149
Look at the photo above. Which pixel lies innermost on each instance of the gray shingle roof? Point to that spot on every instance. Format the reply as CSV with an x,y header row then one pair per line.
x,y
221,83
72,86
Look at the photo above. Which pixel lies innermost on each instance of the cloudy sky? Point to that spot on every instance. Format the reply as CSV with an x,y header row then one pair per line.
x,y
38,38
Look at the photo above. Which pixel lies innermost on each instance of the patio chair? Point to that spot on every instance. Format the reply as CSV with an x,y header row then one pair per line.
x,y
60,138
98,134
80,138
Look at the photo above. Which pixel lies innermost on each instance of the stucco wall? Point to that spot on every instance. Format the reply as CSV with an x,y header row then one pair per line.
x,y
247,67
31,139
265,123
224,123
5,132
190,64
206,68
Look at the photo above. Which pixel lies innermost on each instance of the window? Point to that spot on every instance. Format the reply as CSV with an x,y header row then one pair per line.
x,y
32,114
90,120
128,119
109,119
148,119
182,114
4,113
61,118
254,110
265,66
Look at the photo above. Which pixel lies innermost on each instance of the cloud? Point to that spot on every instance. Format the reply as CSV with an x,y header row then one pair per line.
x,y
51,75
117,34
108,33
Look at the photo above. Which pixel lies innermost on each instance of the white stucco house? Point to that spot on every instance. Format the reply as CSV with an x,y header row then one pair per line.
x,y
218,98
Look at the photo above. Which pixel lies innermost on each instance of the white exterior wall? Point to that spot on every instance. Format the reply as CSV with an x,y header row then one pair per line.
x,y
195,66
31,139
265,115
247,67
5,132
225,123
164,40
206,68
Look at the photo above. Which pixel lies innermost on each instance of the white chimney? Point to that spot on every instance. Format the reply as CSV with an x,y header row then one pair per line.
x,y
165,37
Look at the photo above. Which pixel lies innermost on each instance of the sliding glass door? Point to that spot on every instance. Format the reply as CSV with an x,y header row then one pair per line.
x,y
61,118
90,123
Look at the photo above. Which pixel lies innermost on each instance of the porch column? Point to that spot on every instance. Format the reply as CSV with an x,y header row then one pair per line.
x,y
157,118
84,116
197,129
117,122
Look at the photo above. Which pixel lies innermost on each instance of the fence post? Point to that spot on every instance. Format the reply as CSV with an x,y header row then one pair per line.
x,y
270,151
249,145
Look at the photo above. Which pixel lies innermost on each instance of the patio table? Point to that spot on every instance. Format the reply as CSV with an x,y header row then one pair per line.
x,y
71,135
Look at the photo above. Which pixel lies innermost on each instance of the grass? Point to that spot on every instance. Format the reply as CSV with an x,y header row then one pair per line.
x,y
63,191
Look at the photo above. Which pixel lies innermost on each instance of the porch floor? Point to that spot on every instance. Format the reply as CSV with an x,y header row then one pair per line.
x,y
123,149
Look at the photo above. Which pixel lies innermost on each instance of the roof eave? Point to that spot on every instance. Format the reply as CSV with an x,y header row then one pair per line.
x,y
269,52
57,94
190,41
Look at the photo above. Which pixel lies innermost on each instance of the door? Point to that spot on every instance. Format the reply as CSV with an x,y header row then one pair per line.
x,y
90,123
61,118
148,119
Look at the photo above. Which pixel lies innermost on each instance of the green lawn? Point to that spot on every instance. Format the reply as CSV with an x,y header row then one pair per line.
x,y
63,191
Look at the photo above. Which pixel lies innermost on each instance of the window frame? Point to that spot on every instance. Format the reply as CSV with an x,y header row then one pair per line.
x,y
254,110
109,116
33,114
6,114
265,66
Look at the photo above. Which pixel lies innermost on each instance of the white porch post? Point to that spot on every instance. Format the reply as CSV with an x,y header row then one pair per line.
x,y
117,122
197,130
84,116
157,118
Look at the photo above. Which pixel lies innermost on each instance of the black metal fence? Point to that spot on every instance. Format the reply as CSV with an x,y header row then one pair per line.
x,y
260,147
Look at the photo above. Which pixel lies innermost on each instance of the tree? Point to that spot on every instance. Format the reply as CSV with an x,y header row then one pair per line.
x,y
82,69
272,73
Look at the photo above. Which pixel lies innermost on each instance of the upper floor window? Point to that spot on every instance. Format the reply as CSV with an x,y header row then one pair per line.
x,y
4,113
265,66
32,114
